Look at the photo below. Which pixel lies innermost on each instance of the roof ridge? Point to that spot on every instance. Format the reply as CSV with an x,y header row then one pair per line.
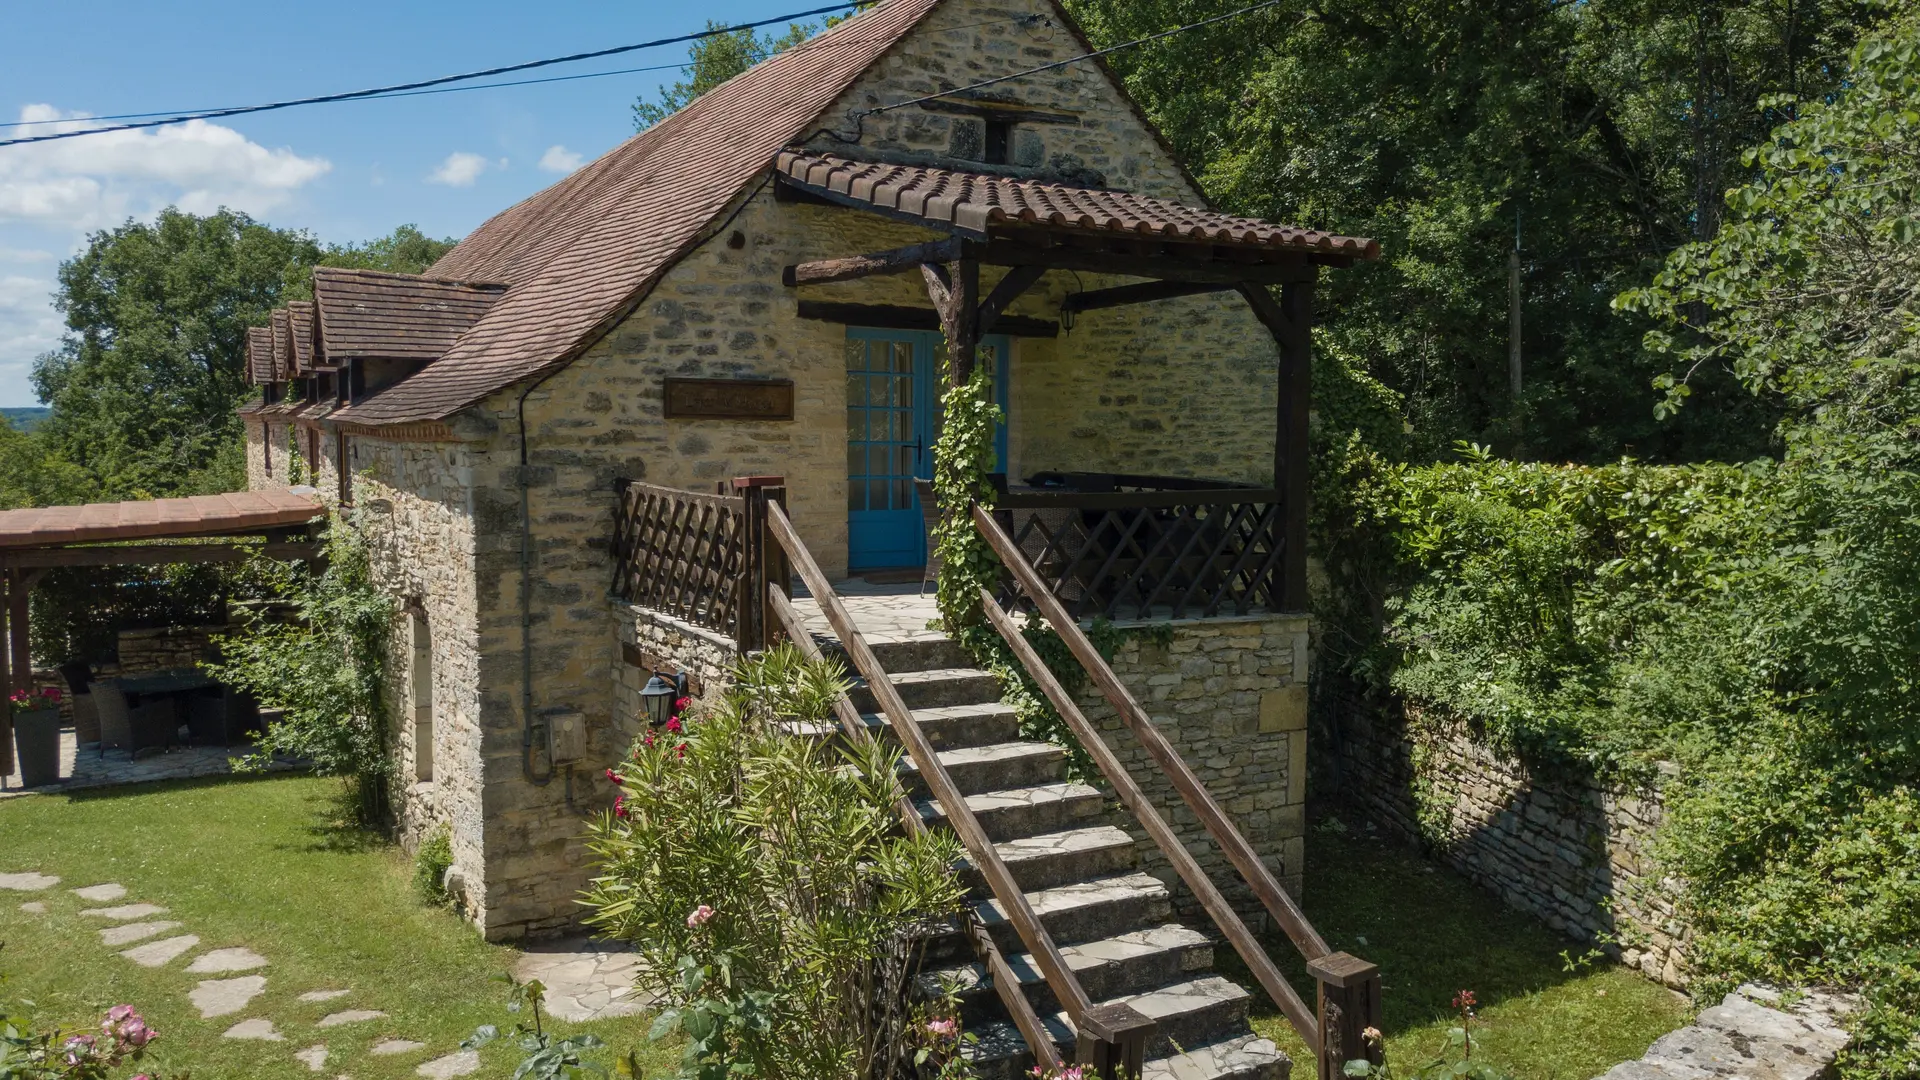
x,y
395,275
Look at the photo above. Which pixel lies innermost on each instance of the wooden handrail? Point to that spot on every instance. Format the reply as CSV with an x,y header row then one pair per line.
x,y
1247,861
1297,1011
1039,943
1005,983
1128,500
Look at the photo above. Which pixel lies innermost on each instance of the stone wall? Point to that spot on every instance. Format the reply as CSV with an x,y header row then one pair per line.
x,y
650,642
166,648
1548,841
1231,696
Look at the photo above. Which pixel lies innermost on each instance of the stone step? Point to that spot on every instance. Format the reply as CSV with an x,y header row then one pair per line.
x,y
1126,963
1083,911
932,688
977,769
1244,1057
1011,813
920,654
1200,1012
1059,858
946,726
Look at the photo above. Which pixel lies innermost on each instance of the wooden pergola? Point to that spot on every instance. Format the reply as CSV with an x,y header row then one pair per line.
x,y
1032,228
215,528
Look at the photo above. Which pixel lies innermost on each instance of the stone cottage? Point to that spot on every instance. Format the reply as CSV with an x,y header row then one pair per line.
x,y
701,304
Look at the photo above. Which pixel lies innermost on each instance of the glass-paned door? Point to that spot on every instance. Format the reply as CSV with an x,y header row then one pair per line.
x,y
893,386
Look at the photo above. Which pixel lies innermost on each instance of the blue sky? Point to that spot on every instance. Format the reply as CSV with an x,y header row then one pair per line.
x,y
346,172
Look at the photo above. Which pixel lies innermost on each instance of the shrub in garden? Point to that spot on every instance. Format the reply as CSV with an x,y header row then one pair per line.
x,y
27,1053
766,886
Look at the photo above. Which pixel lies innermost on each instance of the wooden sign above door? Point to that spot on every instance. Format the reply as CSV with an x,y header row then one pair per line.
x,y
729,399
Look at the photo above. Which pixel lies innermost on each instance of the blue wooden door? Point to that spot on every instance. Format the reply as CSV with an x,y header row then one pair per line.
x,y
893,389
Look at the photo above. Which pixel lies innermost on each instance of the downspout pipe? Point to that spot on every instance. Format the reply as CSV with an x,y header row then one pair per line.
x,y
527,722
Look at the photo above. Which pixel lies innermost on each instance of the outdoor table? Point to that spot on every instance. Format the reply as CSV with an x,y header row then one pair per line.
x,y
175,686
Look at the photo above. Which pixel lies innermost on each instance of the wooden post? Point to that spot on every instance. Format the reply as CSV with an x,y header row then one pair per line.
x,y
1112,1041
6,673
1291,323
1349,1005
763,561
955,291
18,586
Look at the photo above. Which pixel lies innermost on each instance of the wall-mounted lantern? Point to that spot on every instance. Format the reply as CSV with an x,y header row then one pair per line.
x,y
657,700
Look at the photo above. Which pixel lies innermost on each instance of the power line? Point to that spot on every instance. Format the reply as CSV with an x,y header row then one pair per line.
x,y
863,113
389,91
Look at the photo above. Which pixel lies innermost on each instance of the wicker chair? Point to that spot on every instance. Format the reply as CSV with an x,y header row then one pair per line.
x,y
116,721
930,517
86,719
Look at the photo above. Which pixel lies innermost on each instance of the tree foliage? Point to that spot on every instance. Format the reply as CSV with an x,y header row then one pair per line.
x,y
1608,128
712,61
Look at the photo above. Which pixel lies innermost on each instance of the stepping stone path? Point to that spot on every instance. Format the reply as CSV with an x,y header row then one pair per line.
x,y
34,907
313,1057
351,1016
128,933
392,1047
1749,1034
163,952
27,882
585,979
126,912
224,960
464,1063
102,894
260,1030
323,995
224,997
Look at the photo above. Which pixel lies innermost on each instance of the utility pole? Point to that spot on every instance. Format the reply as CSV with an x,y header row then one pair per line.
x,y
1514,381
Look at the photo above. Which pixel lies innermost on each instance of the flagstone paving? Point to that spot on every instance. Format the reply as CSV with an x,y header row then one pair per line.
x,y
323,995
128,933
224,960
351,1016
224,997
313,1057
463,1063
392,1047
261,1030
585,979
28,882
34,907
163,952
126,912
102,894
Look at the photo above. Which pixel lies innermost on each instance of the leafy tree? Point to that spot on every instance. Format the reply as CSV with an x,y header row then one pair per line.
x,y
406,250
714,60
1599,128
144,386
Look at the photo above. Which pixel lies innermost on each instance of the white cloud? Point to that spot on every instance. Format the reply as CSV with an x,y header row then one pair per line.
x,y
29,326
559,159
100,179
460,169
24,255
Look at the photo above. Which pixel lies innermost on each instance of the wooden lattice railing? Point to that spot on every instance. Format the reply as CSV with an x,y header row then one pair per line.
x,y
1145,554
683,554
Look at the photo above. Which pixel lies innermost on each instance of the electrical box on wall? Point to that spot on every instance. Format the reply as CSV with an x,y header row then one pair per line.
x,y
567,736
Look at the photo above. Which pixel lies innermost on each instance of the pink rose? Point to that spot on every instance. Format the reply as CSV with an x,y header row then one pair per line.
x,y
700,917
942,1028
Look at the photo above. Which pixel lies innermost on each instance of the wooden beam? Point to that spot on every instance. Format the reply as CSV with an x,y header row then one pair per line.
x,y
939,289
959,288
1290,321
1161,266
896,261
1138,294
901,317
153,554
1018,281
20,653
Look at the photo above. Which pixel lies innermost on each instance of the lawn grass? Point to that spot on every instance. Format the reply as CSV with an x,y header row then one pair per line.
x,y
262,864
1433,933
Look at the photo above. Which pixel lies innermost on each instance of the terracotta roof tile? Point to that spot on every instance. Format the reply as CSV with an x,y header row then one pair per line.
x,y
198,515
368,313
300,323
259,355
979,203
583,252
282,329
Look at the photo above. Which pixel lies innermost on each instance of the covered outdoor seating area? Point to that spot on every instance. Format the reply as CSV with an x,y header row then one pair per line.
x,y
52,733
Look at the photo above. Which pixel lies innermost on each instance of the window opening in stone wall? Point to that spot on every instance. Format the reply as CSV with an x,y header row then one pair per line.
x,y
422,698
999,142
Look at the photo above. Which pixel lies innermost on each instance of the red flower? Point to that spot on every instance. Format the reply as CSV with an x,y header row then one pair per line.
x,y
614,777
675,726
680,704
51,693
1464,1001
648,741
682,751
620,806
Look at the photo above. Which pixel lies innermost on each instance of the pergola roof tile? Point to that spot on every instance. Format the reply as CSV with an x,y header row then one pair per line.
x,y
151,519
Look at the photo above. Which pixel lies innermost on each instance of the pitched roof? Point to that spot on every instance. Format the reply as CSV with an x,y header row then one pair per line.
x,y
197,515
976,202
300,323
282,345
366,313
259,355
583,252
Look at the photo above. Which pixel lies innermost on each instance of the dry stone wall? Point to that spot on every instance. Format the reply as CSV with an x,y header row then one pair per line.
x,y
1572,852
1231,696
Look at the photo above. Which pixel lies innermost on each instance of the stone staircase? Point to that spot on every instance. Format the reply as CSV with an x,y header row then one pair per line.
x,y
1080,871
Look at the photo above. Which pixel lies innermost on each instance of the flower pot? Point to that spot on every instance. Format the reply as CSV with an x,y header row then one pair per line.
x,y
36,735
